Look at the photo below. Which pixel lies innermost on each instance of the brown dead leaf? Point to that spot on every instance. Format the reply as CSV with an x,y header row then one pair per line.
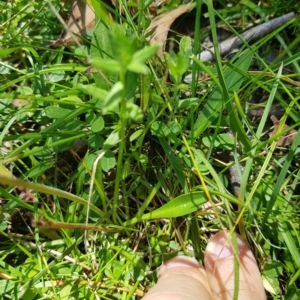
x,y
162,23
286,139
19,103
81,20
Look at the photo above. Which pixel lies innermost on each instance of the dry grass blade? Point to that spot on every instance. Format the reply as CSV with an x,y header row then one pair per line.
x,y
286,139
161,25
81,20
44,224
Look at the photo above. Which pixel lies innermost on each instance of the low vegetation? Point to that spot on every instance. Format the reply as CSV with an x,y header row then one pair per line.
x,y
117,154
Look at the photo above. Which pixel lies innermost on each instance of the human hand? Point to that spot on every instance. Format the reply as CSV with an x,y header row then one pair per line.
x,y
183,278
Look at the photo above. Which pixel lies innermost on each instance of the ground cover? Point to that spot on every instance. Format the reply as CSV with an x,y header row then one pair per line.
x,y
116,154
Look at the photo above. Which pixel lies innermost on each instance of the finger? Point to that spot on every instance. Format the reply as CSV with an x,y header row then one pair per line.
x,y
180,278
219,267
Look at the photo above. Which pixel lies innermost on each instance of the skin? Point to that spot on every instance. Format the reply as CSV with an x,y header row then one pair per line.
x,y
183,278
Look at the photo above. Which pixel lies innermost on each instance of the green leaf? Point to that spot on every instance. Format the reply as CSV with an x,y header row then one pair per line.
x,y
56,76
96,141
178,207
113,98
40,169
108,161
108,65
146,53
95,92
214,104
223,141
175,163
159,128
185,45
138,68
56,112
6,286
97,124
3,225
183,63
134,112
112,140
136,134
101,48
66,290
8,51
180,104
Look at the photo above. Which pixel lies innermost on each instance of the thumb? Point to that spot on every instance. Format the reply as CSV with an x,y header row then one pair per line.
x,y
180,278
219,267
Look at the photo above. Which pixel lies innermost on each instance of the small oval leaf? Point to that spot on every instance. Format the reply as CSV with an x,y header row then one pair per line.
x,y
108,161
97,124
56,112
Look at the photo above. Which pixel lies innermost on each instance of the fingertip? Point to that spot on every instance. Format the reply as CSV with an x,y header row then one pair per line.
x,y
219,266
180,278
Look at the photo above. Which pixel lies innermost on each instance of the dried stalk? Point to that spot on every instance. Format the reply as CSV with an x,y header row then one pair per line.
x,y
249,35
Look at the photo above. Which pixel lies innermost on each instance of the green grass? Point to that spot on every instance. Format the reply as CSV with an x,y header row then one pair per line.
x,y
130,151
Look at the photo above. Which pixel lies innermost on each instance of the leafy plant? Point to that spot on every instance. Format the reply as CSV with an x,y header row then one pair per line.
x,y
106,148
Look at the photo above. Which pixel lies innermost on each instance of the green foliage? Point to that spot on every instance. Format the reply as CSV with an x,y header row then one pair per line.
x,y
111,135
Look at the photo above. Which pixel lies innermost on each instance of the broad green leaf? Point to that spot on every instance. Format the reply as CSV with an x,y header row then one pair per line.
x,y
108,161
56,112
183,63
223,141
134,112
6,286
271,273
8,51
97,124
56,76
25,90
3,225
212,108
96,141
180,104
112,140
138,68
90,159
94,91
136,134
178,207
113,98
40,169
107,65
72,99
185,44
101,48
159,128
146,53
65,292
131,84
174,127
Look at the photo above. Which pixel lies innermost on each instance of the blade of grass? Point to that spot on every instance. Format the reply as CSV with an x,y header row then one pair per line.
x,y
49,191
175,163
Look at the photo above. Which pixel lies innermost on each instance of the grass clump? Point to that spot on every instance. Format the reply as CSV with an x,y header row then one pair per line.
x,y
112,162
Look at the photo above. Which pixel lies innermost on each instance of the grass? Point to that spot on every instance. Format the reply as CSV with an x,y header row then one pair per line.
x,y
107,171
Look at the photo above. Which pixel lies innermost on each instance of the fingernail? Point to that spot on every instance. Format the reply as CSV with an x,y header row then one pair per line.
x,y
180,261
220,245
